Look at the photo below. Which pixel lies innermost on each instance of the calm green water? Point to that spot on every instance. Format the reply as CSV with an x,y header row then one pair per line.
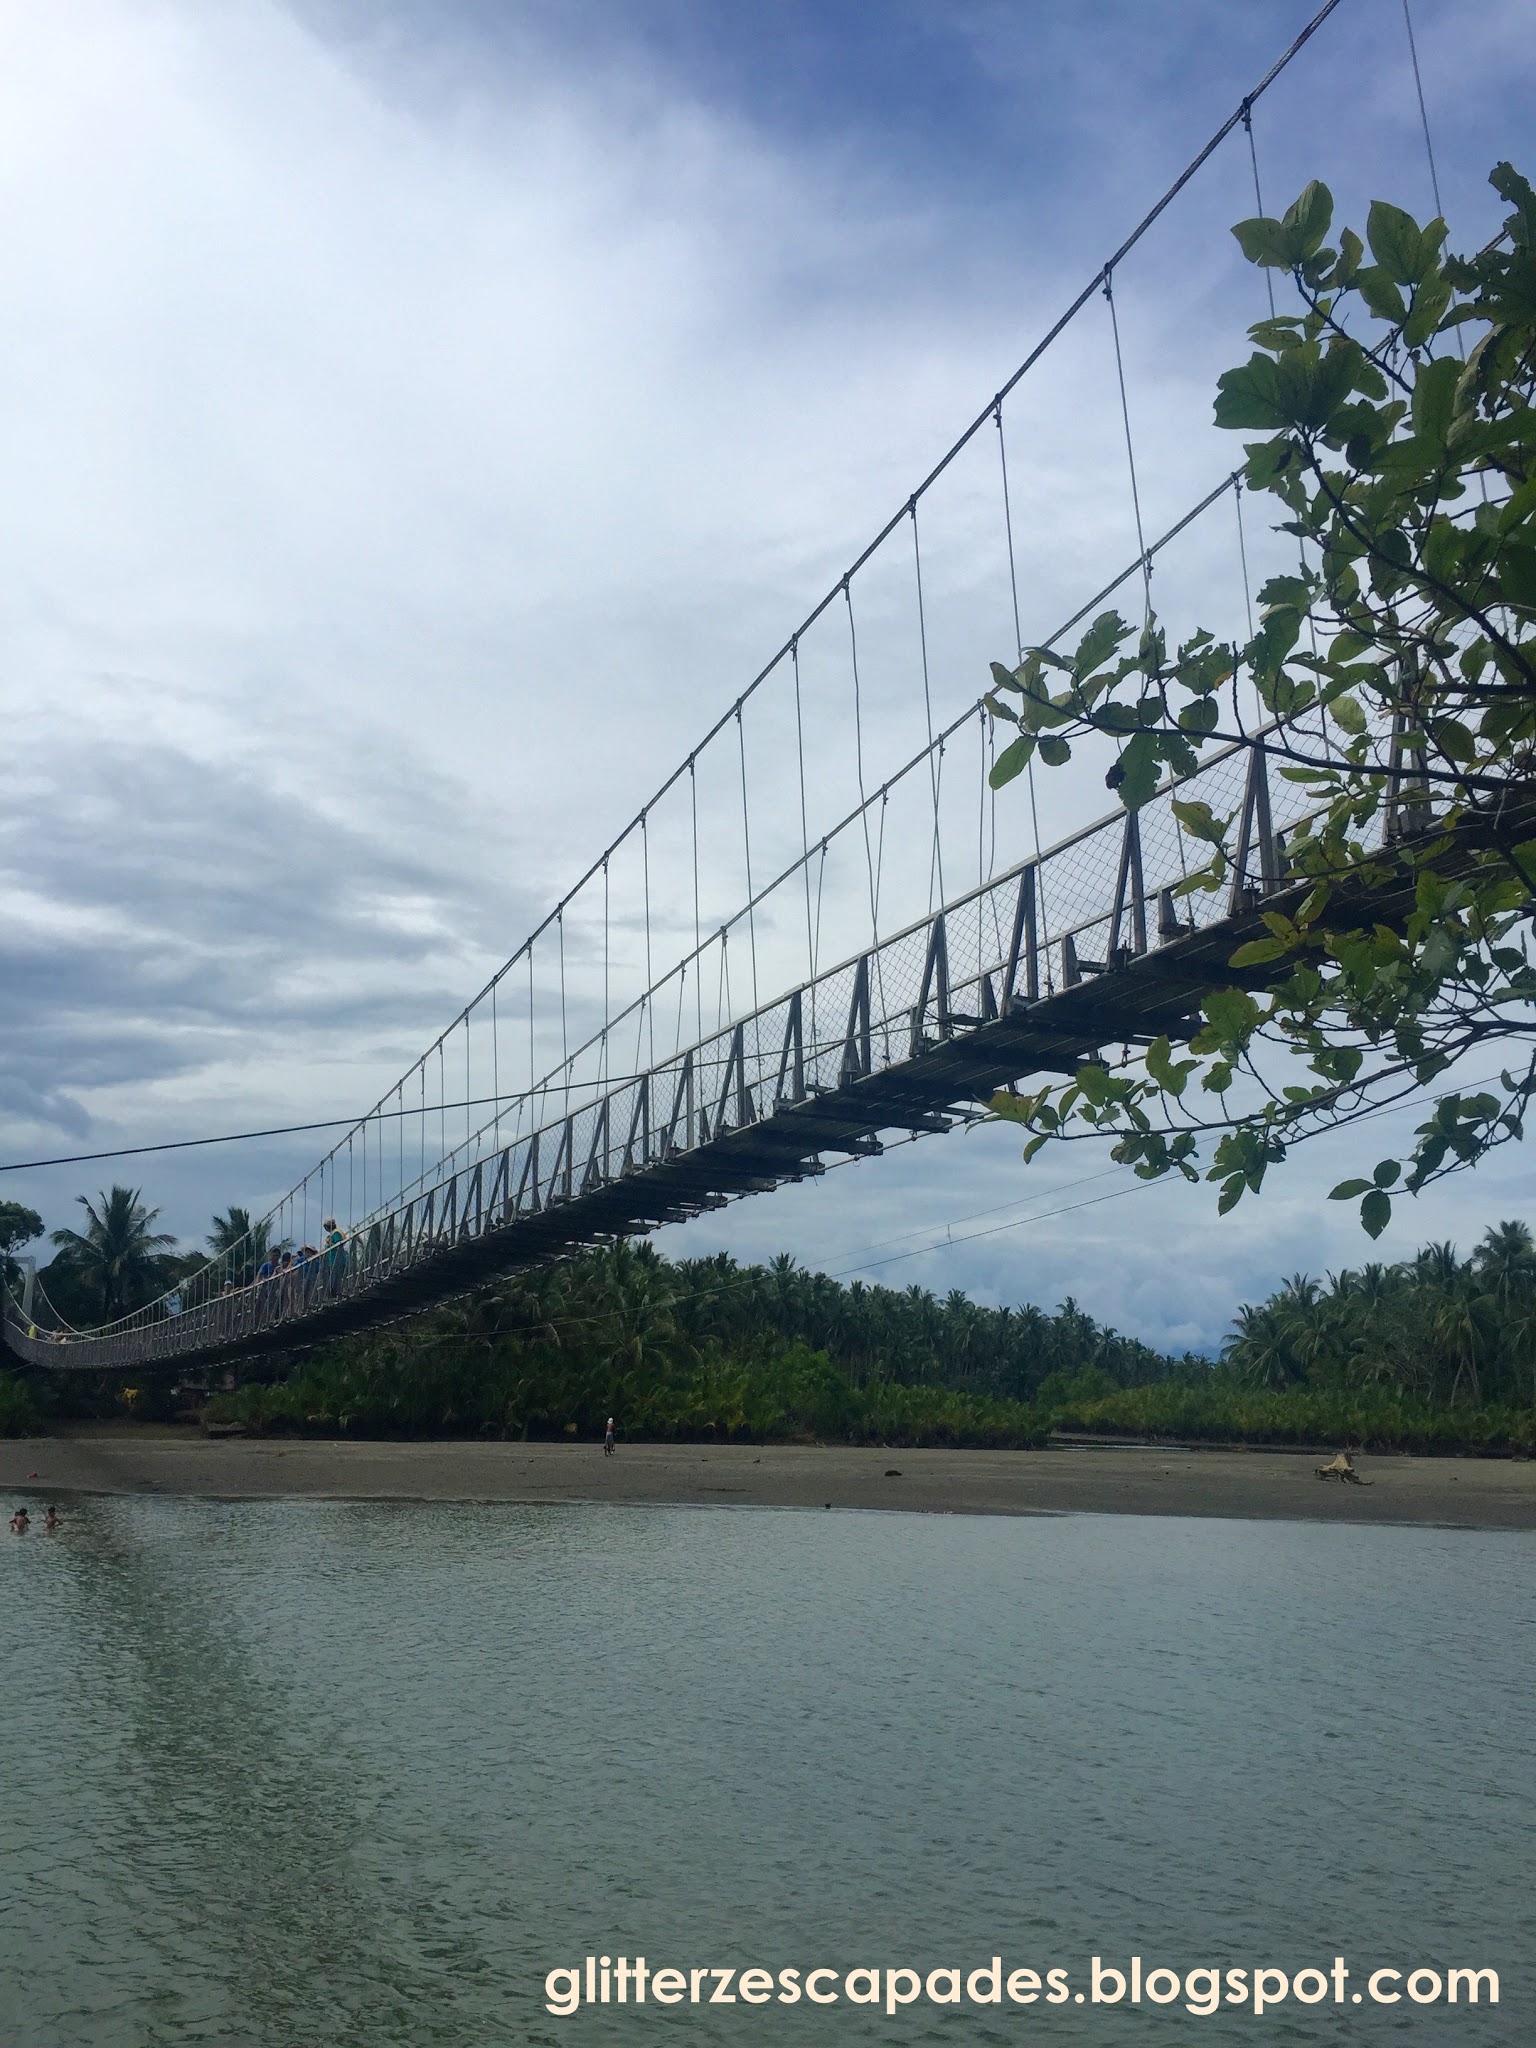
x,y
339,1775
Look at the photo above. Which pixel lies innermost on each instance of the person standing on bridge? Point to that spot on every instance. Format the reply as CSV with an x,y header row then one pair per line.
x,y
608,1443
335,1252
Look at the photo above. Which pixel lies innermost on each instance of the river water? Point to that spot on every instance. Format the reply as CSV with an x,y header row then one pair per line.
x,y
329,1774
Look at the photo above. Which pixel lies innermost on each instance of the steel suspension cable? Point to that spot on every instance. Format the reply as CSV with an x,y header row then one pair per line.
x,y
650,978
1130,450
1242,552
746,840
1018,638
858,754
1434,182
1418,86
936,862
805,838
565,1044
698,980
1258,196
981,802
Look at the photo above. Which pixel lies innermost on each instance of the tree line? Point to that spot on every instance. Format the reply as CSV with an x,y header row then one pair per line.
x,y
1435,1351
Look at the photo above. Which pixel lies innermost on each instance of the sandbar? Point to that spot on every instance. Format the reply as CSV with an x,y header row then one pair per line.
x,y
130,1458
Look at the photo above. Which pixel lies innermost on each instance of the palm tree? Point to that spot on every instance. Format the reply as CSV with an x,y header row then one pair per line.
x,y
118,1253
1261,1346
239,1243
1438,1264
1506,1261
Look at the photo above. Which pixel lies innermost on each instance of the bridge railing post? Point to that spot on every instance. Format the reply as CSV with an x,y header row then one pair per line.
x,y
1254,822
1130,874
935,971
792,1055
1022,943
857,1057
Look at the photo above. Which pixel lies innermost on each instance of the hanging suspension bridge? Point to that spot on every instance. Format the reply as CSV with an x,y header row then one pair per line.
x,y
687,1089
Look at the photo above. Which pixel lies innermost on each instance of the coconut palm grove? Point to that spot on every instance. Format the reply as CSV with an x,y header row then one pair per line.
x,y
1438,1352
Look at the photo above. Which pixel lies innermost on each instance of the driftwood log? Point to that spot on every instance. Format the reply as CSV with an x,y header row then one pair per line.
x,y
1342,1467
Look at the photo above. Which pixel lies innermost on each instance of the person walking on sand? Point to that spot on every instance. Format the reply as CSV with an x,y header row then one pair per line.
x,y
608,1445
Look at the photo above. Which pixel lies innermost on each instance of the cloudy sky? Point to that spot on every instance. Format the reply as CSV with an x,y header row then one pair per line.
x,y
421,421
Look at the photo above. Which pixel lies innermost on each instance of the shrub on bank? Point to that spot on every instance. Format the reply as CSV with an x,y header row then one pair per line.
x,y
788,1394
1370,1419
18,1411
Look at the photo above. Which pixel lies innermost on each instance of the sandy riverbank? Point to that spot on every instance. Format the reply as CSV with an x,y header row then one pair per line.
x,y
1253,1485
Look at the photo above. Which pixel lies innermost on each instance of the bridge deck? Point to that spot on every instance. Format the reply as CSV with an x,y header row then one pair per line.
x,y
927,1024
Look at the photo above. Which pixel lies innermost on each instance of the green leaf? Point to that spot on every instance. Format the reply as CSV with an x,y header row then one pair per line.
x,y
1382,295
1201,716
1200,822
1054,751
1512,188
1117,718
1396,242
1011,761
1138,770
1387,1173
1429,304
1347,1190
1098,643
1521,505
1310,216
1259,952
1345,712
1004,678
1267,460
1274,640
1434,398
1517,572
1267,242
1231,1193
1250,396
1312,387
1376,1212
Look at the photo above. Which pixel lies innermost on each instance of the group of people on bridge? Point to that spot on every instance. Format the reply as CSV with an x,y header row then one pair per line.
x,y
289,1269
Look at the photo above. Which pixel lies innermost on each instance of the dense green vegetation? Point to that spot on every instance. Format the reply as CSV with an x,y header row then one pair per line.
x,y
1226,1411
705,1349
1437,1353
18,1411
1433,1355
1437,1329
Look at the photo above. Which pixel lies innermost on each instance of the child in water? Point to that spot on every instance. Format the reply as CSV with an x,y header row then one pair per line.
x,y
20,1522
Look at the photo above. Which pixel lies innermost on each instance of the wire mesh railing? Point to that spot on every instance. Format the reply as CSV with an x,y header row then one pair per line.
x,y
1087,906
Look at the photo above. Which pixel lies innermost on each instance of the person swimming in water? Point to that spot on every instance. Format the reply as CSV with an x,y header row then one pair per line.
x,y
21,1522
51,1518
